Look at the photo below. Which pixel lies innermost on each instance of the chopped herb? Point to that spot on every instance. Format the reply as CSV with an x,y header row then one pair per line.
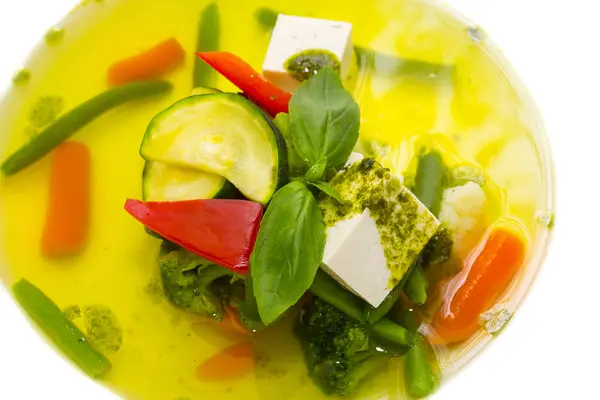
x,y
54,36
45,111
21,77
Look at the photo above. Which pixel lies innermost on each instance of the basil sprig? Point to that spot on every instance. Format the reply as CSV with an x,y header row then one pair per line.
x,y
323,125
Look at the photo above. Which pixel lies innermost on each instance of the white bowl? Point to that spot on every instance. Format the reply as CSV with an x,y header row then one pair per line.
x,y
525,361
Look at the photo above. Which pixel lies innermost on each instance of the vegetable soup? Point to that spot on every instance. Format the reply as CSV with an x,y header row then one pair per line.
x,y
244,199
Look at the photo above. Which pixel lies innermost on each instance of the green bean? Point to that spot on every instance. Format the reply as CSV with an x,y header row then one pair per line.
x,y
430,180
60,329
267,17
209,31
325,287
404,314
420,378
375,314
416,286
392,332
330,291
74,120
386,64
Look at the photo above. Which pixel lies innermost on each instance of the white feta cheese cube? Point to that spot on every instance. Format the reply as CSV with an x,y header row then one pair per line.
x,y
354,157
354,256
292,35
377,234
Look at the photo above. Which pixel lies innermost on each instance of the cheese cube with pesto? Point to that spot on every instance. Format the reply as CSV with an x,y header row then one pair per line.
x,y
376,234
298,44
354,158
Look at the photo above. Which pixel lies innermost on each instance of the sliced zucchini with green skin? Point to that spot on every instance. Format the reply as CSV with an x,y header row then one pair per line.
x,y
200,90
224,134
163,182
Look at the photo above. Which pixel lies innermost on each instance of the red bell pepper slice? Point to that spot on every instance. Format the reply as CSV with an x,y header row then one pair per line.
x,y
242,75
222,231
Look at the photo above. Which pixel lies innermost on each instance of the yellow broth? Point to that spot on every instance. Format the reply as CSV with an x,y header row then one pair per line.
x,y
481,117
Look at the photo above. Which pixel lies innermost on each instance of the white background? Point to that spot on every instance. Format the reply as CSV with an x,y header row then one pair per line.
x,y
551,349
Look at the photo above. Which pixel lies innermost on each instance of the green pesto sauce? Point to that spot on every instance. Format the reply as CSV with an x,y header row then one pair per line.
x,y
307,63
72,312
551,221
21,77
404,224
54,36
102,329
45,111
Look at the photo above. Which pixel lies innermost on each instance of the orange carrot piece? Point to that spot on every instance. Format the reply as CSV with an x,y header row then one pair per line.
x,y
231,363
67,219
230,325
481,284
232,322
150,64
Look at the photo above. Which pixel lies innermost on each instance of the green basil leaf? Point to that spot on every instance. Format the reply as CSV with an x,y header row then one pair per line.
x,y
288,250
324,119
328,190
317,170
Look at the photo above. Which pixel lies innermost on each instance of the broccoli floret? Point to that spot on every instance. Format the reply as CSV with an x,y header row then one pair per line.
x,y
339,352
196,284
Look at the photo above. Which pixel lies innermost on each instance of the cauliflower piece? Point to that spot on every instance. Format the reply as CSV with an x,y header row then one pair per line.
x,y
462,210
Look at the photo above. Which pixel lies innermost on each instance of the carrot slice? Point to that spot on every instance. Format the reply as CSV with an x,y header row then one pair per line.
x,y
67,220
481,284
150,64
233,362
230,325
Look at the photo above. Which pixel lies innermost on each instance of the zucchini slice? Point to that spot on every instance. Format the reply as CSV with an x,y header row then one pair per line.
x,y
163,182
223,134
